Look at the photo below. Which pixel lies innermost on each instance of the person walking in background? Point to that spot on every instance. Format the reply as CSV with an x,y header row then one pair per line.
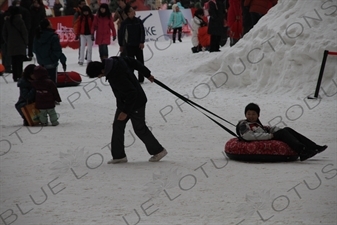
x,y
48,49
119,17
235,21
82,30
131,37
45,97
57,8
15,35
103,25
27,92
251,129
78,9
26,18
6,58
176,22
131,102
216,23
37,13
258,8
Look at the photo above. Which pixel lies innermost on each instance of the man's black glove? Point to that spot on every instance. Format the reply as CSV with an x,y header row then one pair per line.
x,y
64,66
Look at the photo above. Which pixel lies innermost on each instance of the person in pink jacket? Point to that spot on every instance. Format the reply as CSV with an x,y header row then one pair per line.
x,y
103,25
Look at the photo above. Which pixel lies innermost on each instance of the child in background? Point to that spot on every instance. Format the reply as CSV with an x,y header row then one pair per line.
x,y
176,22
46,95
82,30
27,92
103,25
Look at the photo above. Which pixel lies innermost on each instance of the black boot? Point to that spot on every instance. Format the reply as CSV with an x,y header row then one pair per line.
x,y
307,153
25,122
194,49
320,148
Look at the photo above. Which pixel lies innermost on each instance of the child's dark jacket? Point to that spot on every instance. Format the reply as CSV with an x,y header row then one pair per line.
x,y
46,92
27,92
129,94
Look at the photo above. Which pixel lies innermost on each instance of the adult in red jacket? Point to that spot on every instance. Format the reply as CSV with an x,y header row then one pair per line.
x,y
234,21
258,8
103,25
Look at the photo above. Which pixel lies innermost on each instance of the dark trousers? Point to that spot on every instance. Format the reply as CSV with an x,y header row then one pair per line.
x,y
136,52
224,36
215,43
103,51
52,73
141,130
17,66
255,17
295,140
30,43
18,107
175,30
6,59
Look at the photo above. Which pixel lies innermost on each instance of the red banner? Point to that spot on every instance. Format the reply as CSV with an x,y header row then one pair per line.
x,y
64,28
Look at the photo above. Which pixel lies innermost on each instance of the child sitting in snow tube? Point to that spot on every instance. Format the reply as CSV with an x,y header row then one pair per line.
x,y
251,130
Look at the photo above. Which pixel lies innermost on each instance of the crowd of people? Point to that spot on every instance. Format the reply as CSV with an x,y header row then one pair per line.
x,y
225,19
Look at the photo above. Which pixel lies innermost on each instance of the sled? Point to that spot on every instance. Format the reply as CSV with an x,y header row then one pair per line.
x,y
68,79
30,113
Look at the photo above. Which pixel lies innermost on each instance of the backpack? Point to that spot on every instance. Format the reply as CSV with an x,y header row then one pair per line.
x,y
206,7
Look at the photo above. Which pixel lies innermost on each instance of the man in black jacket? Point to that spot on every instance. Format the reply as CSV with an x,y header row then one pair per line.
x,y
131,101
131,37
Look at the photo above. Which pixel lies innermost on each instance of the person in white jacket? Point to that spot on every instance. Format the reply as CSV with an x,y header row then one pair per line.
x,y
251,129
196,23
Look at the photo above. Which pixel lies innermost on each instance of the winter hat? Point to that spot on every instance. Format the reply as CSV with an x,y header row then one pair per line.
x,y
94,69
29,70
253,107
174,7
40,72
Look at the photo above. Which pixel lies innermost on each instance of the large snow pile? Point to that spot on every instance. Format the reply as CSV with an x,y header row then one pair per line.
x,y
283,52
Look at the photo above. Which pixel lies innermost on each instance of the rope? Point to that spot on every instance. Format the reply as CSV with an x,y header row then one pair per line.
x,y
195,105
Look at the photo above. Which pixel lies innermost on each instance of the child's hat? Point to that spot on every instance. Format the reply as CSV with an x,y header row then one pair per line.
x,y
40,71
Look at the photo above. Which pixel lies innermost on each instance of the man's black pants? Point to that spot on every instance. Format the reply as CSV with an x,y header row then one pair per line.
x,y
141,130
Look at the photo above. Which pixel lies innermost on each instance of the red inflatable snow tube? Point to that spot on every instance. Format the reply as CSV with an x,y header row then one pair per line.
x,y
66,79
259,151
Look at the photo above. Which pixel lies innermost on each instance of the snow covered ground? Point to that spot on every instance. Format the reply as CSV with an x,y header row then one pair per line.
x,y
58,175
